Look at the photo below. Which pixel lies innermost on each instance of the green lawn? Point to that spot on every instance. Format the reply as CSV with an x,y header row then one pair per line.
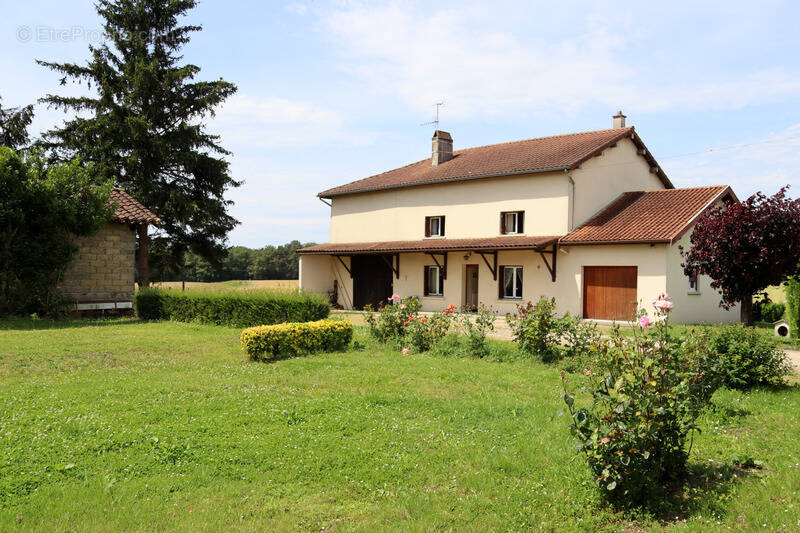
x,y
123,425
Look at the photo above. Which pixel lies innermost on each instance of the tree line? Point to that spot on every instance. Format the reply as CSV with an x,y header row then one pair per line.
x,y
240,262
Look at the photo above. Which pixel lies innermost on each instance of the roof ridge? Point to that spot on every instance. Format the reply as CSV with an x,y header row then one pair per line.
x,y
621,132
697,188
627,129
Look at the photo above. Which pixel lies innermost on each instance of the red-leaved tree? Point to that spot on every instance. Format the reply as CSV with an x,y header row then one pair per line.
x,y
747,246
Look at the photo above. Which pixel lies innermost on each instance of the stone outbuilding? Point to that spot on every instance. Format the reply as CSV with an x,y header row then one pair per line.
x,y
102,276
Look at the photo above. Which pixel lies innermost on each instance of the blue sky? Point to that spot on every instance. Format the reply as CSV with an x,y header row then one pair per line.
x,y
330,92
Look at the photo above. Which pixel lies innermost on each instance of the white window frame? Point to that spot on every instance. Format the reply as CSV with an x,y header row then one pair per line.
x,y
438,271
438,220
513,269
514,228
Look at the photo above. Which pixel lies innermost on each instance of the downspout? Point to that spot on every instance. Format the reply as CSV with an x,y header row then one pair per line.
x,y
571,200
321,199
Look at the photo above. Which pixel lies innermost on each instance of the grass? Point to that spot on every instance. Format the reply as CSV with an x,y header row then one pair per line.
x,y
125,425
247,284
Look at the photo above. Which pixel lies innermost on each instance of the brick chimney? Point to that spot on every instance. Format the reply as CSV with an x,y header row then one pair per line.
x,y
619,120
442,148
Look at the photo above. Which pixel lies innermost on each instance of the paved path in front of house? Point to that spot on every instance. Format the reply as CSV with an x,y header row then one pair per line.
x,y
794,357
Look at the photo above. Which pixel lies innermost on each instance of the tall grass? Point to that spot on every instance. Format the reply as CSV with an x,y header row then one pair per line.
x,y
230,308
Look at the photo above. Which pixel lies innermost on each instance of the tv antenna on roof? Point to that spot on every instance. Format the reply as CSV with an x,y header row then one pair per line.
x,y
436,122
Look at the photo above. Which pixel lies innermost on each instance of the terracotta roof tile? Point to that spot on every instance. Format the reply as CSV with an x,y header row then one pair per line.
x,y
646,216
431,245
129,211
520,157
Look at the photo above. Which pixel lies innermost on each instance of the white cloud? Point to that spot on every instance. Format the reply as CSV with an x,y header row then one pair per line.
x,y
481,60
759,165
272,122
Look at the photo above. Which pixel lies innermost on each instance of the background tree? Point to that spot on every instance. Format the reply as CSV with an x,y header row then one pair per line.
x,y
14,122
144,127
42,209
270,262
745,247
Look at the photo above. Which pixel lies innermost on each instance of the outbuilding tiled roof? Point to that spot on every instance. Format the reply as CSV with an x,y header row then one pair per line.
x,y
431,245
544,154
129,211
647,216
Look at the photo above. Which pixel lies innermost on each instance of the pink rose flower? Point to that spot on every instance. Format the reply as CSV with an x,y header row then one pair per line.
x,y
605,440
405,351
395,297
663,303
644,321
402,306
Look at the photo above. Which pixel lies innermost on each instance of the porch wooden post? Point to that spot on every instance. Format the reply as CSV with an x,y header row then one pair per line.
x,y
143,256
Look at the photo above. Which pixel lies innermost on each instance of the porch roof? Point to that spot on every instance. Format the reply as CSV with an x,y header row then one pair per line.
x,y
432,245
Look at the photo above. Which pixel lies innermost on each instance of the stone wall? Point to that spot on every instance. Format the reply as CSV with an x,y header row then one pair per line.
x,y
103,269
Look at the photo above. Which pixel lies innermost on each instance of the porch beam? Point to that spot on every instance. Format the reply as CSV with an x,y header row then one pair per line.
x,y
339,257
443,264
551,266
493,270
391,264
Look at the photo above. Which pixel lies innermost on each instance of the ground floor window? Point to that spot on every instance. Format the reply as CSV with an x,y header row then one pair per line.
x,y
693,282
434,284
511,283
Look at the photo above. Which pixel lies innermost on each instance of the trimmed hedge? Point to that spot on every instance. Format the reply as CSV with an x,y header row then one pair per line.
x,y
235,308
266,343
793,305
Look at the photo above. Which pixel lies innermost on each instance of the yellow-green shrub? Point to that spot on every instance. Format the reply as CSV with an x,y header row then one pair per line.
x,y
264,343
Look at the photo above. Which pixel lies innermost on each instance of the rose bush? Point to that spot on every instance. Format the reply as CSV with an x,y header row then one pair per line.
x,y
646,394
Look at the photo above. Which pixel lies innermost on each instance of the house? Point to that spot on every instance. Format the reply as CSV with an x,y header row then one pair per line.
x,y
588,218
102,275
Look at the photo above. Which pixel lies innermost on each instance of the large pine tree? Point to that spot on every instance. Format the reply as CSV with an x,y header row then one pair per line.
x,y
144,126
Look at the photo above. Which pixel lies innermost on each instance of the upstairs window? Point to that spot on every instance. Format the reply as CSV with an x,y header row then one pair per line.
x,y
511,283
434,284
512,222
693,282
434,226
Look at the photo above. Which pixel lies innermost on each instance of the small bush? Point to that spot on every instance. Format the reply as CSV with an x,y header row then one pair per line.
x,y
750,357
399,321
391,318
266,343
477,328
536,329
646,395
238,309
540,333
767,311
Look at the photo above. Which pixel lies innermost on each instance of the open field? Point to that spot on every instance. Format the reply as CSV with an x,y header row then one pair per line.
x,y
247,284
122,425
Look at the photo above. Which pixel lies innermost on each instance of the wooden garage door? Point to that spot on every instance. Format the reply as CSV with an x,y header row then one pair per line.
x,y
609,293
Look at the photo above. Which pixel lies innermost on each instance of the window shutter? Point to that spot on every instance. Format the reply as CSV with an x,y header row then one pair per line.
x,y
501,270
425,281
427,226
502,223
441,226
441,283
521,222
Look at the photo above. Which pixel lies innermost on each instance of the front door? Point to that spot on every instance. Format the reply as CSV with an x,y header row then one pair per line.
x,y
471,289
609,292
372,280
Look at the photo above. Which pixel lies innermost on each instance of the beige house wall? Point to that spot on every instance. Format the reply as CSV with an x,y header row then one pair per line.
x,y
104,268
471,209
601,180
701,307
567,289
